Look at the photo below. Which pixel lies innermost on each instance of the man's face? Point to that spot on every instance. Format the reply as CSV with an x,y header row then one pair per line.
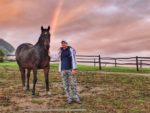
x,y
64,45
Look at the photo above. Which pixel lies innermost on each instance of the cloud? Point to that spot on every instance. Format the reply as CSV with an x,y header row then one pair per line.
x,y
105,26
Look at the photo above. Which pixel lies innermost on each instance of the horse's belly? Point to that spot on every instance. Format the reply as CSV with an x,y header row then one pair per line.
x,y
27,65
44,64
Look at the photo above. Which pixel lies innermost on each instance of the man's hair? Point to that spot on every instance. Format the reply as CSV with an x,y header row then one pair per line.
x,y
63,41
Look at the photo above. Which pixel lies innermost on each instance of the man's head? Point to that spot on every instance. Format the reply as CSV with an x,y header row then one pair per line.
x,y
64,44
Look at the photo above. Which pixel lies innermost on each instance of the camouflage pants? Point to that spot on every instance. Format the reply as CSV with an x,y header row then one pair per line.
x,y
70,84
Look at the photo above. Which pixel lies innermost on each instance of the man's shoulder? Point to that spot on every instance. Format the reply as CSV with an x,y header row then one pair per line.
x,y
71,47
73,50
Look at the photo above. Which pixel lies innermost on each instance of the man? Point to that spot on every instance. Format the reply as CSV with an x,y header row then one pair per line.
x,y
67,68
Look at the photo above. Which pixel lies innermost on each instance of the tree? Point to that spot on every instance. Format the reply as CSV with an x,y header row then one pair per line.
x,y
2,54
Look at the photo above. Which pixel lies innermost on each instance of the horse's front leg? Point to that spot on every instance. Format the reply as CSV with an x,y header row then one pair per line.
x,y
34,80
28,77
46,73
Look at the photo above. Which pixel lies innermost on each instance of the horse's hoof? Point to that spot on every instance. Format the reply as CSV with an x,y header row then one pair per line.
x,y
27,90
24,88
33,93
49,93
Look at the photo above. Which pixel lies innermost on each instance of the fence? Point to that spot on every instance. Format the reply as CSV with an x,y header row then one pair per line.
x,y
137,62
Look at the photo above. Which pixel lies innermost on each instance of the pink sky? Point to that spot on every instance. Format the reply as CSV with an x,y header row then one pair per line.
x,y
108,27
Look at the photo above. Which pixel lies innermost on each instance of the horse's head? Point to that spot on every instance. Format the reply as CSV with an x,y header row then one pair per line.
x,y
45,37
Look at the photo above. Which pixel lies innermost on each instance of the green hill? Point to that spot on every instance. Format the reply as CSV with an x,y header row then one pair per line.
x,y
8,48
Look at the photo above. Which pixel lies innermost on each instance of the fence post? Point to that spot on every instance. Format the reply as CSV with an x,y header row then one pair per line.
x,y
137,63
94,62
115,62
100,66
140,63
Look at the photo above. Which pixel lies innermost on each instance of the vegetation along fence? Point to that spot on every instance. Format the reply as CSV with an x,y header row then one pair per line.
x,y
99,61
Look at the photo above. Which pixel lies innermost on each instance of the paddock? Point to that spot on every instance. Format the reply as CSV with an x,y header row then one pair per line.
x,y
101,92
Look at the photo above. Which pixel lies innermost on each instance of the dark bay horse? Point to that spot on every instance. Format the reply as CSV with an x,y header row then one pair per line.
x,y
33,57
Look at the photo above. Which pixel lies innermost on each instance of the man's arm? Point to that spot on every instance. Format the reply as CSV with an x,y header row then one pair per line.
x,y
74,61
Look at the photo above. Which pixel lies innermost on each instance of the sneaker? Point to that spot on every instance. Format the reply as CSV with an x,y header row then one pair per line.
x,y
69,101
77,99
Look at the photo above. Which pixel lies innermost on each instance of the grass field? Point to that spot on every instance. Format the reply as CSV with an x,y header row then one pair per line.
x,y
100,92
90,68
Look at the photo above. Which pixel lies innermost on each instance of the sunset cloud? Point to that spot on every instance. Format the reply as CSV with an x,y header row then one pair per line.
x,y
92,26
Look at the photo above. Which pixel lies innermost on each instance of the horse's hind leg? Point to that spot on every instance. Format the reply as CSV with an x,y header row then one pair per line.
x,y
34,80
28,78
22,70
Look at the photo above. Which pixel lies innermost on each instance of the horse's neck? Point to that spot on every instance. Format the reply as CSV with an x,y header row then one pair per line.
x,y
41,49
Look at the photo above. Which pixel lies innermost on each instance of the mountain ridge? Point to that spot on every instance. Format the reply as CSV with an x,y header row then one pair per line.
x,y
7,47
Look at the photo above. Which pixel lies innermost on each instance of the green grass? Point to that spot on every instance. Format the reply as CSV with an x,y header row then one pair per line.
x,y
126,69
113,69
8,64
87,68
108,69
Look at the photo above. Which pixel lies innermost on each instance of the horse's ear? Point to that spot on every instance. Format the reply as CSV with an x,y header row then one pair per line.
x,y
48,27
42,28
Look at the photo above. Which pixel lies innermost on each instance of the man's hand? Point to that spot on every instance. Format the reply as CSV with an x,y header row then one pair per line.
x,y
74,71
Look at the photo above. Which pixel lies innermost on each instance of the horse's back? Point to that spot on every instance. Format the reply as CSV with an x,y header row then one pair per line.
x,y
22,48
22,51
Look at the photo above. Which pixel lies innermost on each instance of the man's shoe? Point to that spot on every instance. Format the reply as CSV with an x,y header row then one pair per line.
x,y
69,101
77,99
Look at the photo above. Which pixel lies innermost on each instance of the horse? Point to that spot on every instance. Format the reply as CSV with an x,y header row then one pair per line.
x,y
33,57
